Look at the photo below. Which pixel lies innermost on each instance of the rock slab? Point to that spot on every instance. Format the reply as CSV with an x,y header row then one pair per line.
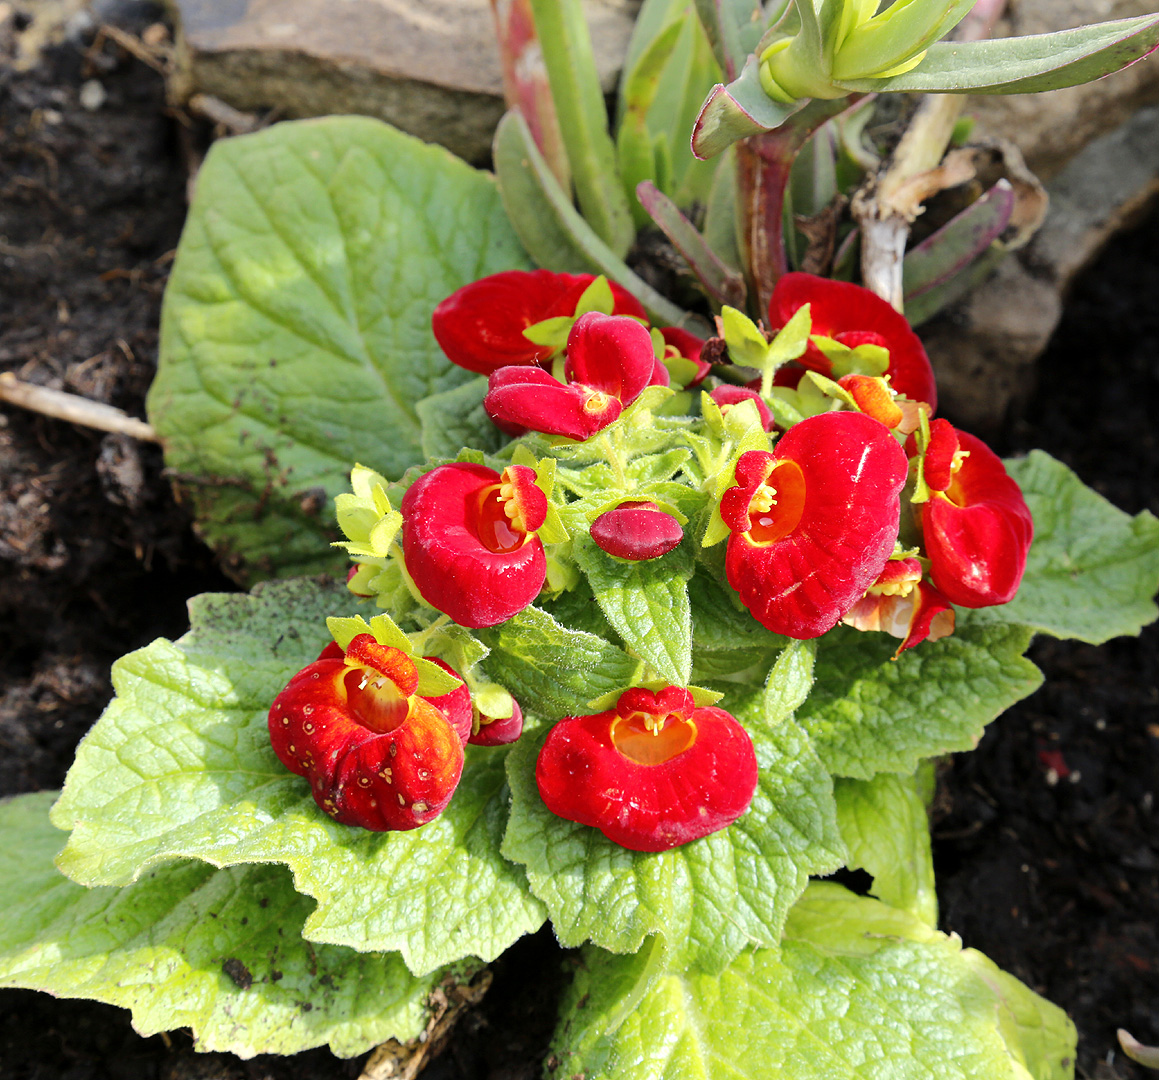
x,y
430,67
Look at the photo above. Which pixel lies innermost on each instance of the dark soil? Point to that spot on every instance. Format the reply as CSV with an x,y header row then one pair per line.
x,y
1054,875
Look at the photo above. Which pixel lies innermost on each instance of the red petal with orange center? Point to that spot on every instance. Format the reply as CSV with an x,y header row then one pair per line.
x,y
840,308
977,534
462,550
802,564
645,791
480,326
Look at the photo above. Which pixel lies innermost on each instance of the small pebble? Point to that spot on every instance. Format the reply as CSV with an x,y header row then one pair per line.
x,y
93,95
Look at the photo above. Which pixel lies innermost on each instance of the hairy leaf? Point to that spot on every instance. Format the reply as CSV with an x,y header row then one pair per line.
x,y
869,713
180,766
219,951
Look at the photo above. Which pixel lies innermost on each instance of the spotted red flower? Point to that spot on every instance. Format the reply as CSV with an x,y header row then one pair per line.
x,y
650,774
902,604
480,326
976,525
855,316
469,541
609,362
376,754
636,530
814,522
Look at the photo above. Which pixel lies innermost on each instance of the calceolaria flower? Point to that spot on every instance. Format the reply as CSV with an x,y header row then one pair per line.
x,y
976,526
469,541
481,326
814,522
610,359
902,604
376,753
652,773
852,328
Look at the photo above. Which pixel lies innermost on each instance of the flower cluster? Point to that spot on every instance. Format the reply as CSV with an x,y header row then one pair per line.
x,y
814,452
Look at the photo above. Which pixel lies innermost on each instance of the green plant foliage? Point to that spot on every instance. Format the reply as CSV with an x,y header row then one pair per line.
x,y
647,604
295,336
454,419
709,899
869,713
858,990
180,766
1092,569
884,826
219,951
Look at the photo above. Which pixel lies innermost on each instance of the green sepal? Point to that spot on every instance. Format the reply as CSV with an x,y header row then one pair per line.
x,y
551,332
921,492
743,423
702,696
552,531
747,346
433,680
366,516
867,359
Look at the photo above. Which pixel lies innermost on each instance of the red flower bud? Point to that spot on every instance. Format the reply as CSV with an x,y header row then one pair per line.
x,y
499,731
636,531
468,539
855,316
728,396
376,754
480,326
652,773
977,529
813,523
609,362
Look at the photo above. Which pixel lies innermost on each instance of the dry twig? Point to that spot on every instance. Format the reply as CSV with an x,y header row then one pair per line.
x,y
73,408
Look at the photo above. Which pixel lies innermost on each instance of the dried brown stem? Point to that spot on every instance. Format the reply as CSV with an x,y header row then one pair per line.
x,y
73,408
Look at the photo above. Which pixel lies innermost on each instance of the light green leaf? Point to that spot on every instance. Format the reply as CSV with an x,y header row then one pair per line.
x,y
884,825
1092,569
858,991
553,670
219,951
1024,65
180,766
789,682
869,713
709,899
295,334
454,419
647,604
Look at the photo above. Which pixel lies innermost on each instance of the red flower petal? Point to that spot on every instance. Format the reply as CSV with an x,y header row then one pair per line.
x,y
801,563
726,396
455,706
466,555
651,774
501,731
611,354
636,531
480,326
854,315
530,398
689,346
374,756
978,532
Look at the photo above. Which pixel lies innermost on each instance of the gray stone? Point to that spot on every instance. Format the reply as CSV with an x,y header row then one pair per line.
x,y
430,67
1051,128
984,349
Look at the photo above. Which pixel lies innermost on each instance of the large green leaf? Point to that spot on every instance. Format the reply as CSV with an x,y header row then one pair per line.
x,y
295,334
1092,569
857,991
709,899
884,825
180,766
869,713
219,951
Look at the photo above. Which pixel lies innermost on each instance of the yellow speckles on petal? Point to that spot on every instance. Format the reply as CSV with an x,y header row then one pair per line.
x,y
386,774
420,808
401,801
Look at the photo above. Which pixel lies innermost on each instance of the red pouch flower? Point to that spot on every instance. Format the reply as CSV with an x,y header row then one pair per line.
x,y
814,522
682,343
469,543
976,525
853,316
609,362
637,531
376,754
652,773
902,604
480,326
501,730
